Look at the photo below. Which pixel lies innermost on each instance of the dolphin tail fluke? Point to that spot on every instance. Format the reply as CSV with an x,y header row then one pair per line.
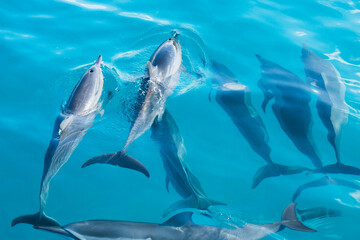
x,y
120,159
266,171
290,220
274,170
192,202
337,168
37,219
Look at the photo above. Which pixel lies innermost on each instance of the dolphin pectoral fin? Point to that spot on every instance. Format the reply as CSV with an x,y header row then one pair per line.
x,y
153,70
209,96
290,220
37,219
120,159
267,94
190,202
268,97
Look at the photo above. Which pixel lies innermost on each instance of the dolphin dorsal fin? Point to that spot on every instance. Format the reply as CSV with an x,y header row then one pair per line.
x,y
180,219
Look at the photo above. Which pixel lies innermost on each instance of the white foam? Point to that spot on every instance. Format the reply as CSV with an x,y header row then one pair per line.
x,y
88,5
144,17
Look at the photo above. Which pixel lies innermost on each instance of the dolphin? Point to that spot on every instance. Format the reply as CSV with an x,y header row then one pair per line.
x,y
331,106
179,227
324,181
70,127
317,212
162,76
166,132
291,106
235,99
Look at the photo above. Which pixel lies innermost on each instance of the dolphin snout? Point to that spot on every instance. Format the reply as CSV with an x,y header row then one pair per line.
x,y
98,60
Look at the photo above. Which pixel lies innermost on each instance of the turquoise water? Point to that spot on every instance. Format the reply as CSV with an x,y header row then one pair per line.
x,y
46,46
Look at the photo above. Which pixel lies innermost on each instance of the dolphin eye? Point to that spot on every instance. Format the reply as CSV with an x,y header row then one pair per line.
x,y
91,70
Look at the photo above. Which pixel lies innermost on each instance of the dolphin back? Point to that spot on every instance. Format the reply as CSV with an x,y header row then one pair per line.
x,y
87,93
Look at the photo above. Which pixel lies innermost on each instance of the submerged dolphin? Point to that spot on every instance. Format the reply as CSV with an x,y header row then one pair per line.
x,y
235,99
291,106
163,75
70,127
179,227
172,149
331,106
317,212
324,181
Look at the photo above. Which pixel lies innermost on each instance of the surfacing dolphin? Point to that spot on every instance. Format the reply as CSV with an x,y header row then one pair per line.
x,y
166,132
163,75
331,106
179,227
70,127
291,105
235,99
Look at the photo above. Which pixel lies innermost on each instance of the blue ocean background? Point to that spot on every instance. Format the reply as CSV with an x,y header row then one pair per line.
x,y
46,46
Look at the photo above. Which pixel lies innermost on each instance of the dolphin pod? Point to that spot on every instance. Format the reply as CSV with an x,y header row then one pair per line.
x,y
291,108
235,99
291,105
166,132
331,106
162,77
179,227
70,127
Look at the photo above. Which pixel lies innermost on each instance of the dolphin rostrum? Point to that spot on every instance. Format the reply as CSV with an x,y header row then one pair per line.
x,y
331,106
291,105
163,75
235,99
70,127
166,132
179,227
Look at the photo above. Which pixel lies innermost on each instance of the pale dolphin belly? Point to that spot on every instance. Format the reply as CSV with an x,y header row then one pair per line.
x,y
62,146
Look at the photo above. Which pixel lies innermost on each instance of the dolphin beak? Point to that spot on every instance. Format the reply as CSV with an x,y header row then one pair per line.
x,y
98,60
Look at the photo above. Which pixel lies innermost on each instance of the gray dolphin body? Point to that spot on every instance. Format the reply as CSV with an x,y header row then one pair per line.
x,y
291,106
331,106
166,132
70,127
235,99
179,227
163,75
